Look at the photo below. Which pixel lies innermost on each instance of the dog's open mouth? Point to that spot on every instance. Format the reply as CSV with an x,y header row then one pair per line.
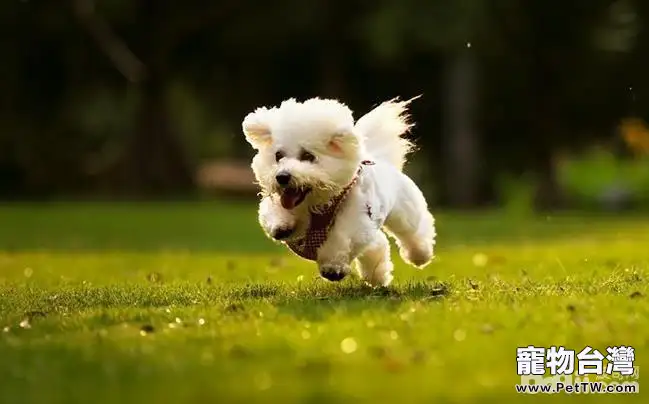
x,y
292,197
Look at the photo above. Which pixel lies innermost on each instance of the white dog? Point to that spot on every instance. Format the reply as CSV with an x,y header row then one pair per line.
x,y
329,186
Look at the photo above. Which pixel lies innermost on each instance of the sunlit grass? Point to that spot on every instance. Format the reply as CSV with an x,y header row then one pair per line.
x,y
190,303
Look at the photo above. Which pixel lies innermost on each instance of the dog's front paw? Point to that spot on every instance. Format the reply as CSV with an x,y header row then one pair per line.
x,y
282,233
277,222
334,273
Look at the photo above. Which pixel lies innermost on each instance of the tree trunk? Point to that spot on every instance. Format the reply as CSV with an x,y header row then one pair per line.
x,y
544,118
332,76
547,195
155,160
461,148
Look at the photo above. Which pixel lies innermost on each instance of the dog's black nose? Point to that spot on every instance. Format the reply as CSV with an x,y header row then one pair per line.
x,y
333,276
283,178
281,234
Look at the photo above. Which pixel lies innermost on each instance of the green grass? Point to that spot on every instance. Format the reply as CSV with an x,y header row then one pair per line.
x,y
234,318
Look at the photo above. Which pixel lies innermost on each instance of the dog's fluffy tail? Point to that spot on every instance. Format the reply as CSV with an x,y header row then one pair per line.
x,y
382,130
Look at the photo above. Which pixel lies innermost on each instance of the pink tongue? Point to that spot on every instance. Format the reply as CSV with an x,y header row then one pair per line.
x,y
289,199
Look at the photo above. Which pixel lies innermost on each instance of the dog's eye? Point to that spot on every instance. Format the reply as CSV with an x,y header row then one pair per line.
x,y
306,156
279,155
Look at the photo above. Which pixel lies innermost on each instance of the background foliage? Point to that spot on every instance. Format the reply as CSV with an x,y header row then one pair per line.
x,y
131,98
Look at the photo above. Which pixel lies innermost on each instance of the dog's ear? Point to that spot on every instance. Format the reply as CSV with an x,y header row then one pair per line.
x,y
343,144
256,127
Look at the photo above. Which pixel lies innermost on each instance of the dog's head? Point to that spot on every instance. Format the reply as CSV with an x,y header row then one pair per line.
x,y
306,151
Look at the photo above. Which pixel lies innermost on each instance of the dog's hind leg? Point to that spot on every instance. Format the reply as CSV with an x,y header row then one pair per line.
x,y
374,264
413,226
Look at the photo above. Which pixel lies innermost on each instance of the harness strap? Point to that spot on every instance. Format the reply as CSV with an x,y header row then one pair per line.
x,y
322,221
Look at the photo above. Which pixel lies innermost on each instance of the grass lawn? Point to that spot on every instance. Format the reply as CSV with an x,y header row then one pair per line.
x,y
189,303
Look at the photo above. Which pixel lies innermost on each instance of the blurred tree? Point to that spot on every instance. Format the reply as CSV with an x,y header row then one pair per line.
x,y
154,160
86,90
450,29
633,27
552,86
257,61
37,149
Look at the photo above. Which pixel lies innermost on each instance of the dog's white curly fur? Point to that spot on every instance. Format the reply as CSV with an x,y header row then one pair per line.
x,y
326,129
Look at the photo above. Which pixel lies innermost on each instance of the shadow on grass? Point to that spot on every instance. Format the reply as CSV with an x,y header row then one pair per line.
x,y
345,291
320,300
316,298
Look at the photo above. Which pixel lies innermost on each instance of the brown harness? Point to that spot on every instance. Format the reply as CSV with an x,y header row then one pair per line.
x,y
321,222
